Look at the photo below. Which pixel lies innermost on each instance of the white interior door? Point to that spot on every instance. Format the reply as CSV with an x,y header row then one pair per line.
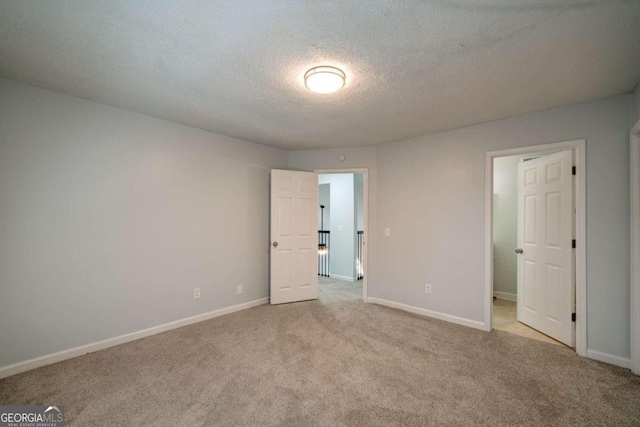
x,y
546,272
294,236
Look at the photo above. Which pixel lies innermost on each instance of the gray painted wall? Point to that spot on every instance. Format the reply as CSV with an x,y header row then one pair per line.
x,y
110,219
358,180
505,224
324,199
438,181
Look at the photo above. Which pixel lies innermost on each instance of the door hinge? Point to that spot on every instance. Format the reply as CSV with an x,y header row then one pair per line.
x,y
573,243
573,317
573,170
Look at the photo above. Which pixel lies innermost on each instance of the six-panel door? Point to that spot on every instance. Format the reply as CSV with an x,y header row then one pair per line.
x,y
294,236
546,291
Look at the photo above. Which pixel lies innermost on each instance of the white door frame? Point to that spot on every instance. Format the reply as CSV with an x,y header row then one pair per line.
x,y
635,248
579,147
365,246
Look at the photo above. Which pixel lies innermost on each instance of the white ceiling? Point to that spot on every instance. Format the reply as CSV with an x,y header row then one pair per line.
x,y
413,67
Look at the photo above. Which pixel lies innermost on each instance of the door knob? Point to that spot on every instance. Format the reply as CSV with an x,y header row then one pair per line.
x,y
519,251
275,244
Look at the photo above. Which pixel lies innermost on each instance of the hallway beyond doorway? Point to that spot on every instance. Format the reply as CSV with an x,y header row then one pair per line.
x,y
331,289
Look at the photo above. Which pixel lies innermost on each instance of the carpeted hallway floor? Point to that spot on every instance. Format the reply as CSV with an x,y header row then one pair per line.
x,y
334,361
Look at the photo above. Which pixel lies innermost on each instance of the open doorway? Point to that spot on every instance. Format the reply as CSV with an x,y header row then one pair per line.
x,y
342,231
535,207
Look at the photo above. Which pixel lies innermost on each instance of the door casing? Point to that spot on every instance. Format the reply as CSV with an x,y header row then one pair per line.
x,y
635,247
579,147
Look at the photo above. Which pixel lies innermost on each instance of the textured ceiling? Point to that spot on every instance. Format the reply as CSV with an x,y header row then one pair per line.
x,y
413,67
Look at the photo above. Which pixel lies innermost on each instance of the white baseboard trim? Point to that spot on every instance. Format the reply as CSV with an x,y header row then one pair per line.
x,y
429,313
506,296
48,359
337,276
623,362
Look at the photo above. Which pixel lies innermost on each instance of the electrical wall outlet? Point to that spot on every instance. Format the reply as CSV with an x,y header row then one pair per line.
x,y
239,289
196,293
427,288
387,232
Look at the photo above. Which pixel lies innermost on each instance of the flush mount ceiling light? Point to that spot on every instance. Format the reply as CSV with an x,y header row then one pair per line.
x,y
324,79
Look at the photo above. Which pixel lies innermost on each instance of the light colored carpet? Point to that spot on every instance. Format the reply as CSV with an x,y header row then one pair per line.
x,y
505,318
334,361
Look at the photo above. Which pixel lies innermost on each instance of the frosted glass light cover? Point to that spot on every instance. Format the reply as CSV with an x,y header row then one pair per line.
x,y
324,79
